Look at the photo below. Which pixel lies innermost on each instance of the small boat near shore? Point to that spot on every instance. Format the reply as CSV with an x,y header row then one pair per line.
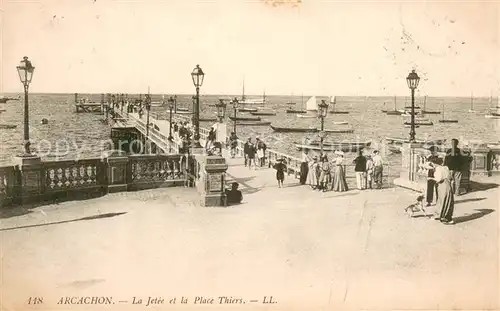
x,y
428,111
3,100
258,123
182,109
295,111
245,118
334,146
305,116
246,109
7,126
395,144
339,131
263,113
294,129
443,120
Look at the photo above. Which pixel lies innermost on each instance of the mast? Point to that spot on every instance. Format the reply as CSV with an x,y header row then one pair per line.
x,y
395,103
243,93
425,101
471,101
264,97
442,104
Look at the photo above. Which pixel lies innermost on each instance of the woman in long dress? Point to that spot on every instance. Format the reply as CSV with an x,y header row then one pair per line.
x,y
339,183
446,201
312,178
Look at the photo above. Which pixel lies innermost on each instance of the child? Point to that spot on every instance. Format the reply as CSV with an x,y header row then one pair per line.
x,y
369,171
280,168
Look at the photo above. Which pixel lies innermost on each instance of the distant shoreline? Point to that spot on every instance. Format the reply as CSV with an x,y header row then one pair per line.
x,y
258,95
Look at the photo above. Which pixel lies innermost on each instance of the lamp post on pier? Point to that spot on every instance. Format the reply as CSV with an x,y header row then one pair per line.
x,y
412,80
235,108
25,71
170,107
322,112
147,105
197,75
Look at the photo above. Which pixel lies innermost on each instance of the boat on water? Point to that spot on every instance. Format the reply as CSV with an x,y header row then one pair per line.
x,y
256,101
305,116
428,111
183,112
245,118
471,110
295,111
247,109
312,104
7,126
182,109
5,99
394,112
333,103
418,123
263,113
334,146
443,120
395,144
494,112
339,131
257,123
294,129
292,110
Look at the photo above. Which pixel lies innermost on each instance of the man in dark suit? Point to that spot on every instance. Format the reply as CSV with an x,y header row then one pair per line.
x,y
246,150
454,162
234,195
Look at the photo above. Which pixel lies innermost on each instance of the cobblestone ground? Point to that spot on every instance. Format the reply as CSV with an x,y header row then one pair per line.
x,y
309,250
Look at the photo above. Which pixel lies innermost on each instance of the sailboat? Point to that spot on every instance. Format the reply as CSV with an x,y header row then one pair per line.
x,y
394,112
494,112
311,105
245,101
471,110
292,110
443,120
428,112
333,102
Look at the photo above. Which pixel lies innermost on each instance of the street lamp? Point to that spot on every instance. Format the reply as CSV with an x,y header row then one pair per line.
x,y
235,108
170,107
25,71
322,111
197,75
147,105
221,110
413,79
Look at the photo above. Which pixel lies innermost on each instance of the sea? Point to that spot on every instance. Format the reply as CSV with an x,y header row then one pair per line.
x,y
70,135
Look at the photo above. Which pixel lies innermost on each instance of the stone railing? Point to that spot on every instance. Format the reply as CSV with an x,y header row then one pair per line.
x,y
47,180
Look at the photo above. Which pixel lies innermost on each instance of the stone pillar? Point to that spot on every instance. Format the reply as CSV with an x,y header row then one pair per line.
x,y
212,180
407,176
117,170
31,185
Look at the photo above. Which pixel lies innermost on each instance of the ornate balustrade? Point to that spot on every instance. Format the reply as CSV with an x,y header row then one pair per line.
x,y
9,179
153,171
70,179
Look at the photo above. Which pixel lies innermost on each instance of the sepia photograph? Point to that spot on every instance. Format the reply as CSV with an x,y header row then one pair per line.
x,y
249,155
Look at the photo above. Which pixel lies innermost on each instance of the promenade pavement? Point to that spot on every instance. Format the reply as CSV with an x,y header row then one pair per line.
x,y
309,250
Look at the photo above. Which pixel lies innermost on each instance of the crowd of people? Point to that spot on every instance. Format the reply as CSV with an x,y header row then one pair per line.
x,y
323,174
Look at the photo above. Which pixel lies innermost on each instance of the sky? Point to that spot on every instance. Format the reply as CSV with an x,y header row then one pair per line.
x,y
278,46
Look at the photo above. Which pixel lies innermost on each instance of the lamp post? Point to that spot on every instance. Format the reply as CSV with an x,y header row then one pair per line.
x,y
170,107
235,108
221,110
147,104
322,111
25,71
197,75
413,79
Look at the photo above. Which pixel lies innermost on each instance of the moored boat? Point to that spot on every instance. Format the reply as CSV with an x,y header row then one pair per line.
x,y
245,118
263,113
334,146
418,123
257,123
333,103
293,129
182,109
395,144
246,109
7,126
305,116
183,112
339,131
295,111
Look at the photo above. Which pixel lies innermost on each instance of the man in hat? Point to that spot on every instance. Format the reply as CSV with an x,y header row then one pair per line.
x,y
378,168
